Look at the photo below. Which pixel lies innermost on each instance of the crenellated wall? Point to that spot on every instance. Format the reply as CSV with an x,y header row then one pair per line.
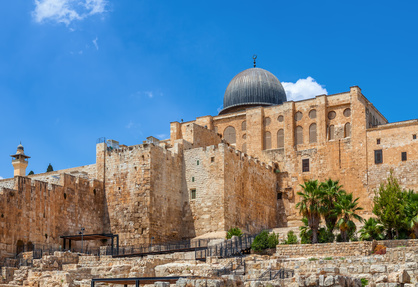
x,y
37,212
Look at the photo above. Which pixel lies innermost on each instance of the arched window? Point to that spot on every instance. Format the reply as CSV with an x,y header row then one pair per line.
x,y
331,132
347,130
267,140
312,133
230,135
299,135
312,114
280,138
244,147
267,121
298,116
243,125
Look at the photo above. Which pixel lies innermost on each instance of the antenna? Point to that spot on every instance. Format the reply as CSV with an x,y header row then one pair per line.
x,y
254,58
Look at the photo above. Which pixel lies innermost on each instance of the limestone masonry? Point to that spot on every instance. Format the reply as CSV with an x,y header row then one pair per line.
x,y
242,168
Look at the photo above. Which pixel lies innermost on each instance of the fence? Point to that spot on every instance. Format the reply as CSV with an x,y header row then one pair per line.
x,y
170,247
233,247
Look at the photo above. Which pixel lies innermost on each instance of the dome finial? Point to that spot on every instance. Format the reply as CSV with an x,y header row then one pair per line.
x,y
254,58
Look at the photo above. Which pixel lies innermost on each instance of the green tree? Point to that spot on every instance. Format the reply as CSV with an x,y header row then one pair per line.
x,y
346,209
411,212
31,172
49,168
233,231
389,206
371,230
331,193
310,206
305,232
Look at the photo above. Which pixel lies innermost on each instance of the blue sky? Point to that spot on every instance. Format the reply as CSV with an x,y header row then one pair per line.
x,y
72,71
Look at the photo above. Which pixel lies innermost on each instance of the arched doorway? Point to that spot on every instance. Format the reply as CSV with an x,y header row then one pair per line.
x,y
20,247
29,246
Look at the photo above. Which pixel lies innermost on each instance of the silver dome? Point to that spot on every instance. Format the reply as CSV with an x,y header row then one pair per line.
x,y
253,87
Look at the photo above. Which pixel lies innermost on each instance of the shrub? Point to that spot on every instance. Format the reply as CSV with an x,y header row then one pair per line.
x,y
234,231
379,249
364,282
273,240
325,236
291,238
263,241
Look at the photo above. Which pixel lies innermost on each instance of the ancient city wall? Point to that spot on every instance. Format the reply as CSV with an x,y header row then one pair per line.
x,y
250,193
166,198
33,212
204,176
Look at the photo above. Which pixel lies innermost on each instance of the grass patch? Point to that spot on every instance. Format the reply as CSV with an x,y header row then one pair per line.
x,y
328,258
313,259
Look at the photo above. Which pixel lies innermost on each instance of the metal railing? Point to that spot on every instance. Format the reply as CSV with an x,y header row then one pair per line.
x,y
230,248
170,247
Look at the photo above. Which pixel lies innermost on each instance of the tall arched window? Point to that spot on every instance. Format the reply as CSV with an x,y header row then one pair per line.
x,y
267,140
347,130
331,132
280,138
312,133
244,148
299,135
243,125
230,135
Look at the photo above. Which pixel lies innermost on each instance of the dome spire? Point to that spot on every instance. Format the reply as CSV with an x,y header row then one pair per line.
x,y
254,58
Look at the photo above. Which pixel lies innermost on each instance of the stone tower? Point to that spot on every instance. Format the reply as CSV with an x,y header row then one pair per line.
x,y
20,161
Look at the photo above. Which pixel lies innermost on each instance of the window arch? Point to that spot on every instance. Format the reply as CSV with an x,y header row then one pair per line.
x,y
280,138
331,132
312,114
267,140
244,148
243,125
312,133
347,130
230,135
299,135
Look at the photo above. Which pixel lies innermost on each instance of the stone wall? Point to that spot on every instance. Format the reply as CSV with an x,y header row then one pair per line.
x,y
250,193
394,139
37,213
325,249
339,249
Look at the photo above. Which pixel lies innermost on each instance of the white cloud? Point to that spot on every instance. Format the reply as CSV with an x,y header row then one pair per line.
x,y
149,94
1,177
162,136
303,89
66,11
95,43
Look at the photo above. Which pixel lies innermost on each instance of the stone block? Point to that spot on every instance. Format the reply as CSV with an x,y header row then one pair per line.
x,y
377,269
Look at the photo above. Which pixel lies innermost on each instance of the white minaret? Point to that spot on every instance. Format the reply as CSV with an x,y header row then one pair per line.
x,y
20,161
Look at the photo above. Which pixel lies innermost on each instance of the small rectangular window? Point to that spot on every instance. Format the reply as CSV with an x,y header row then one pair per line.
x,y
212,159
305,165
378,156
404,156
193,193
279,195
378,141
197,163
192,178
414,137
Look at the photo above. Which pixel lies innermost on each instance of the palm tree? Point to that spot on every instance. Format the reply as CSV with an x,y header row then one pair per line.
x,y
372,229
411,212
310,205
346,209
331,193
